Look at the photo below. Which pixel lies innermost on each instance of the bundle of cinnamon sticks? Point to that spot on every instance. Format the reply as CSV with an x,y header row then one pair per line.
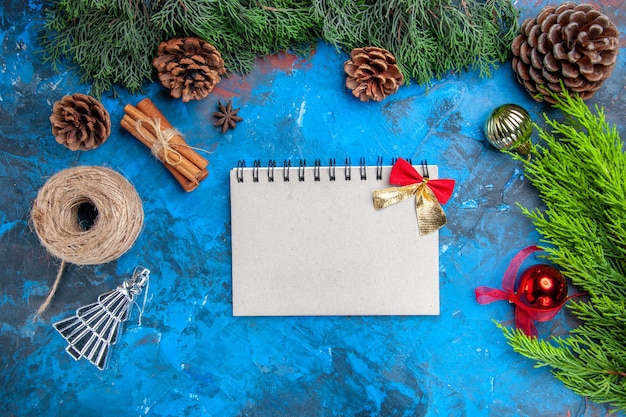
x,y
146,123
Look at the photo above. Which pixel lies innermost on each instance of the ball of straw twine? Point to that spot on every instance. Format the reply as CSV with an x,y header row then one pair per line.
x,y
118,215
116,218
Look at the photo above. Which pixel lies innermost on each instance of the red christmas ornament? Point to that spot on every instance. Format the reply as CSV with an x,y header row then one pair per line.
x,y
542,287
541,292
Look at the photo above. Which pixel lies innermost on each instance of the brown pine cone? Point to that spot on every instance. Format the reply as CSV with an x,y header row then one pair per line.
x,y
372,73
189,67
80,122
571,43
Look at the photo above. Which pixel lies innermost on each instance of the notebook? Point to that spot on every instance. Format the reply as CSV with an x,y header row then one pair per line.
x,y
307,241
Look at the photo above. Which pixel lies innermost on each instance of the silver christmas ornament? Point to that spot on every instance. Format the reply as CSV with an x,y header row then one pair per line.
x,y
509,127
96,326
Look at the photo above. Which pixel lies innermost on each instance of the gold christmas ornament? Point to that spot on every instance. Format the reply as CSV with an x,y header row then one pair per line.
x,y
509,127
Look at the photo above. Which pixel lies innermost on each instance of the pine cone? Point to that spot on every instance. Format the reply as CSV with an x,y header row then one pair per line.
x,y
80,122
571,43
372,73
189,67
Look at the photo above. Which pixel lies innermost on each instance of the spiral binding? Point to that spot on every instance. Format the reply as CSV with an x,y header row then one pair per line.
x,y
317,169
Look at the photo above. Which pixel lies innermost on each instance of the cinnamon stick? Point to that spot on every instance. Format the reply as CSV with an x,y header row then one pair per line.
x,y
147,107
175,141
189,164
134,112
183,165
188,184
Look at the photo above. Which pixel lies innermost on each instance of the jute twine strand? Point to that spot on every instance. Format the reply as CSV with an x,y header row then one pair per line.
x,y
117,224
161,141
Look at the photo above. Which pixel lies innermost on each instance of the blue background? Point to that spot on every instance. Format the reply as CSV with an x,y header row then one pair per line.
x,y
190,356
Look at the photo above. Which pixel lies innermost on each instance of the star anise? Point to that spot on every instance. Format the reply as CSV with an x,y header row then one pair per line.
x,y
227,116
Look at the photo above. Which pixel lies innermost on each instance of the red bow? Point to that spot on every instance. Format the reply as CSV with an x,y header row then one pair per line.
x,y
403,173
429,195
524,314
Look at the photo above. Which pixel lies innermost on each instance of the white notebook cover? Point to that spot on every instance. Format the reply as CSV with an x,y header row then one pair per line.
x,y
319,248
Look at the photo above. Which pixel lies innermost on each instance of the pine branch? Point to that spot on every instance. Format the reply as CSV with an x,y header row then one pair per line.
x,y
579,171
241,30
429,38
581,364
107,39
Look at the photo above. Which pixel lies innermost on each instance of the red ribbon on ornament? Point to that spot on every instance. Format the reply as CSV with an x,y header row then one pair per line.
x,y
524,315
403,173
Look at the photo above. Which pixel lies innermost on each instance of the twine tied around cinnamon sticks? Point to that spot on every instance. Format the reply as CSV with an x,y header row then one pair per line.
x,y
161,144
146,123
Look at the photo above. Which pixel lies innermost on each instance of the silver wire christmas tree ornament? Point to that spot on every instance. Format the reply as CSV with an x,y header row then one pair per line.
x,y
95,327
